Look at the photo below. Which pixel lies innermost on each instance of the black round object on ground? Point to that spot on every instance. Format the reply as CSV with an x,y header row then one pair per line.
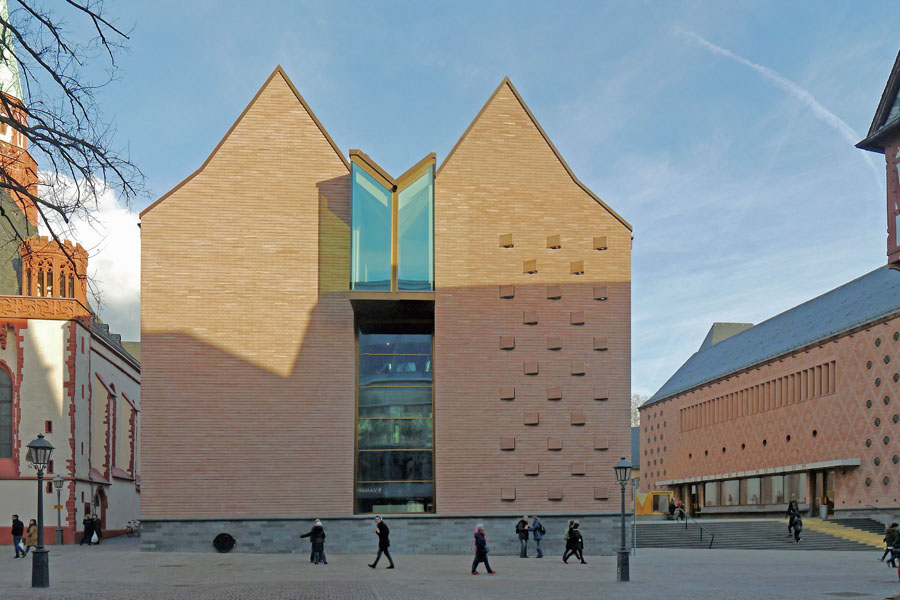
x,y
223,543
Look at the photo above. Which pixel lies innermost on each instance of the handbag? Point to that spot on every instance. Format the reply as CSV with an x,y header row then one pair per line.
x,y
21,545
95,539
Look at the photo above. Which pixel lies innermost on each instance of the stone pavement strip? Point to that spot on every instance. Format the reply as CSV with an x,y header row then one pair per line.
x,y
118,570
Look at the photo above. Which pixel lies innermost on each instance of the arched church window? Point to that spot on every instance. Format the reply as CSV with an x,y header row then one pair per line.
x,y
6,415
71,286
40,283
62,284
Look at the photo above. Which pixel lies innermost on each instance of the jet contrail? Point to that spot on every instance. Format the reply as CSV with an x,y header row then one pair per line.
x,y
795,90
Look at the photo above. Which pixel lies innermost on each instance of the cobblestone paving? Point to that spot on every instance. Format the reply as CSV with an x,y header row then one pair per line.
x,y
118,570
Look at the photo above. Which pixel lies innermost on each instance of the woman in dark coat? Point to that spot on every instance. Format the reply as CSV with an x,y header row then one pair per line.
x,y
384,542
574,544
481,551
97,528
88,530
316,535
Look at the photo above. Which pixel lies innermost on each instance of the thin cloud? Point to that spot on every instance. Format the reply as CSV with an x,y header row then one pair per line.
x,y
796,91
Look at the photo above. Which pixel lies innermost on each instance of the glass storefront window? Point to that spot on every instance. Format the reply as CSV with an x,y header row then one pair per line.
x,y
773,490
730,492
750,491
370,236
394,426
415,230
711,493
795,487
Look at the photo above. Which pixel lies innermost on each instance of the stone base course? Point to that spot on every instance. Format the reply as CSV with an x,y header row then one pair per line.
x,y
417,534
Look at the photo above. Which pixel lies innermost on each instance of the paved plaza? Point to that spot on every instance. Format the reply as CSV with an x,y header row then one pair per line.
x,y
118,570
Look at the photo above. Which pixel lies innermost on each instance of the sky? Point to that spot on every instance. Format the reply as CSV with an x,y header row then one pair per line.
x,y
722,131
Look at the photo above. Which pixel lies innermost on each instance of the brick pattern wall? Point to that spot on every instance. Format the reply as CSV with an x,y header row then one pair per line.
x,y
824,427
247,334
516,421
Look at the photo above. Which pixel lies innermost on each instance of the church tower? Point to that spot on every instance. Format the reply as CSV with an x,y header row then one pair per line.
x,y
29,265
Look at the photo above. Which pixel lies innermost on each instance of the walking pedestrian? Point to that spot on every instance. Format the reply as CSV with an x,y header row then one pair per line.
x,y
18,528
522,532
88,534
798,527
97,529
30,540
574,545
890,541
316,536
566,537
537,532
384,542
793,512
481,551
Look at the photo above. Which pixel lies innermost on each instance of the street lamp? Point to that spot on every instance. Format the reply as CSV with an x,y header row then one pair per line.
x,y
58,482
39,452
623,474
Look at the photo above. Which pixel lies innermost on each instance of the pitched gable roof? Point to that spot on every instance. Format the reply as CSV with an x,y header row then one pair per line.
x,y
887,115
276,73
506,82
873,296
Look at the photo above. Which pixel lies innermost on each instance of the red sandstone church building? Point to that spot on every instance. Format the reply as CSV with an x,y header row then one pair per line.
x,y
323,338
62,373
803,406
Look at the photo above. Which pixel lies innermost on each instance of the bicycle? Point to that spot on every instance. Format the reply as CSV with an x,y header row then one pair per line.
x,y
133,528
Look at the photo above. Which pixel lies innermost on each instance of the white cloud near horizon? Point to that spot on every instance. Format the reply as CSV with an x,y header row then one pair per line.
x,y
110,234
796,91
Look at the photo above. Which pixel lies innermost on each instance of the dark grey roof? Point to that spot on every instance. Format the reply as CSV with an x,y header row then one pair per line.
x,y
722,331
887,116
869,298
636,447
101,329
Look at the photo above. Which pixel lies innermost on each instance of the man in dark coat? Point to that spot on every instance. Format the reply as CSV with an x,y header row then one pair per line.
x,y
316,535
481,551
793,512
522,532
18,528
384,542
537,531
88,523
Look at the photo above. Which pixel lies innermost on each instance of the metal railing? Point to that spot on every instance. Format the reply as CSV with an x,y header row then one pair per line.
x,y
709,532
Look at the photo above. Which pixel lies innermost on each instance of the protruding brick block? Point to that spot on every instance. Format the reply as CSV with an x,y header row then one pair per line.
x,y
507,342
601,242
532,469
553,241
532,418
508,393
554,342
554,392
554,292
554,443
576,317
554,493
601,292
530,367
508,494
530,317
508,443
578,468
601,493
600,344
507,291
578,368
601,442
577,417
506,240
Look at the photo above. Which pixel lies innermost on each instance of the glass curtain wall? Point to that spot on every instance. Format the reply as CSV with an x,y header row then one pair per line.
x,y
773,489
415,230
394,427
370,241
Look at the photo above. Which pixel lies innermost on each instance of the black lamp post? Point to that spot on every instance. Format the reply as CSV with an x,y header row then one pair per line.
x,y
39,452
623,473
58,482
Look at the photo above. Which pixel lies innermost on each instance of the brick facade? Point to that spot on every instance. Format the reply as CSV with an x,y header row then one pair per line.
x,y
247,327
831,401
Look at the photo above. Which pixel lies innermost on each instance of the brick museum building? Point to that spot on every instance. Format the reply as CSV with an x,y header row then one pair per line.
x,y
805,405
321,338
62,373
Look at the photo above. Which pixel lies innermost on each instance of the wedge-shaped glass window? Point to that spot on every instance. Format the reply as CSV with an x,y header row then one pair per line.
x,y
415,230
370,241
